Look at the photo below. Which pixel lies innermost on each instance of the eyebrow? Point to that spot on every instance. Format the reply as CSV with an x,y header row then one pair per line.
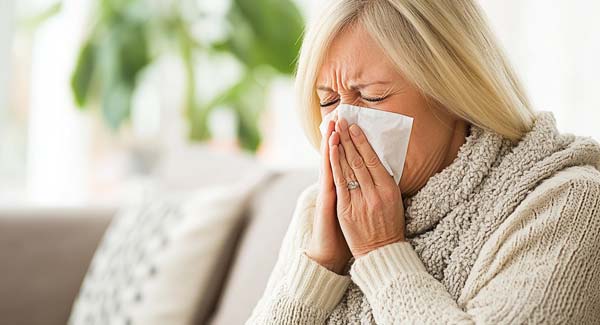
x,y
355,87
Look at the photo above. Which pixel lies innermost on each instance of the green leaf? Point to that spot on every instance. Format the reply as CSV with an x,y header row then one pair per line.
x,y
242,41
81,78
266,32
263,34
248,132
133,50
198,122
247,98
116,104
122,55
248,105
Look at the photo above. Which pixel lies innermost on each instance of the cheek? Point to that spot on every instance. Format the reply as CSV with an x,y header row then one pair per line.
x,y
397,106
408,103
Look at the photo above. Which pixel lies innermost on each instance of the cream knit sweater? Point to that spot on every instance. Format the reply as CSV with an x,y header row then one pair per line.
x,y
506,234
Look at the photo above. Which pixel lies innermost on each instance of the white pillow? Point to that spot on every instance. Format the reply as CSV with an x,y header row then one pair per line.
x,y
157,258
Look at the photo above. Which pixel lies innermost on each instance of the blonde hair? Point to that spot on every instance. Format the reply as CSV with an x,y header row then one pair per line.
x,y
444,48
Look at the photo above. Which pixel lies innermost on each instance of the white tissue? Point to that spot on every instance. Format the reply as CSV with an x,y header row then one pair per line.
x,y
387,132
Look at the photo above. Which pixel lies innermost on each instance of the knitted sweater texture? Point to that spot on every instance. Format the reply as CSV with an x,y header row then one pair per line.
x,y
506,234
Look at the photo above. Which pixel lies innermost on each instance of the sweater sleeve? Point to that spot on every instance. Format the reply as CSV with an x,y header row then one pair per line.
x,y
542,265
299,290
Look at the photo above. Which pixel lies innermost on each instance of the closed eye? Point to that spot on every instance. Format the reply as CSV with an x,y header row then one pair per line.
x,y
375,99
329,103
369,99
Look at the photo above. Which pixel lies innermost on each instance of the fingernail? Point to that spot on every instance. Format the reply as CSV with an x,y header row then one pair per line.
x,y
354,130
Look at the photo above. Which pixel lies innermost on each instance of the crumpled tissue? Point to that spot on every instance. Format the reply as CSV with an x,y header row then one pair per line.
x,y
387,132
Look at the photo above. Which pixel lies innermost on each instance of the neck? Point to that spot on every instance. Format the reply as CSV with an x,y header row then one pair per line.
x,y
440,161
461,132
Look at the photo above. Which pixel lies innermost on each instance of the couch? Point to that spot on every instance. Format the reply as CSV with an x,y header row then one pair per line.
x,y
45,254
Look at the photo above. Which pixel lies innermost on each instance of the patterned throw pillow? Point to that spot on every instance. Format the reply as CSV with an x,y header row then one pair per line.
x,y
158,257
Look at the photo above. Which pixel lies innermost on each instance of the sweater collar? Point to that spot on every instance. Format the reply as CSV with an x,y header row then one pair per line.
x,y
483,152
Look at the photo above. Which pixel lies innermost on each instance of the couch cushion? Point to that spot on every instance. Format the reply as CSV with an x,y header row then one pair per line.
x,y
159,255
271,212
44,255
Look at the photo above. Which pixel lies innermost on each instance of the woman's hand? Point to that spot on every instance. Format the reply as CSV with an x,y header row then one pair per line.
x,y
327,245
371,215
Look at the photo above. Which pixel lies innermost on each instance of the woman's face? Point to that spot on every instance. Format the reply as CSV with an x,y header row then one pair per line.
x,y
357,72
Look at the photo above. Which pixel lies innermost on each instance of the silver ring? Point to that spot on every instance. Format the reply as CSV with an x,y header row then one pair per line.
x,y
352,185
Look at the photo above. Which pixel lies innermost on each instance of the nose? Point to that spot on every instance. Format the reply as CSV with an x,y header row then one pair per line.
x,y
350,99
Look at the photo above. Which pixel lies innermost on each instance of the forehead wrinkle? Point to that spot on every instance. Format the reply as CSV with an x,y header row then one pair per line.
x,y
342,76
349,59
350,75
357,86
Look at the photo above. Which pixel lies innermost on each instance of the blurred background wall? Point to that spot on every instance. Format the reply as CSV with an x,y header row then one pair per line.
x,y
60,145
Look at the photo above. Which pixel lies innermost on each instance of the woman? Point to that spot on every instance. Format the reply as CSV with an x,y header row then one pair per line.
x,y
496,215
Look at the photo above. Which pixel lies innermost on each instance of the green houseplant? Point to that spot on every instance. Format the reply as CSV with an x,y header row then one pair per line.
x,y
128,35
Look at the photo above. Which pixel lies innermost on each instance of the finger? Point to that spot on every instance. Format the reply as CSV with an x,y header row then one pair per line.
x,y
379,174
326,174
354,160
355,194
341,184
328,219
